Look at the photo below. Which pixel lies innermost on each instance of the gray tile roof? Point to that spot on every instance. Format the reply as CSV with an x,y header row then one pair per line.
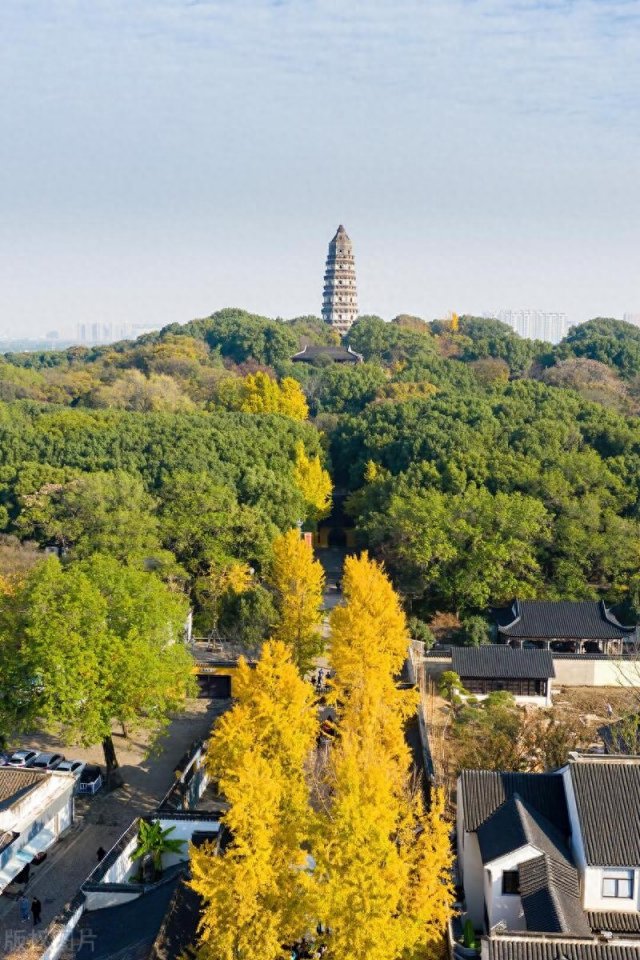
x,y
607,792
16,783
501,662
126,931
550,894
561,619
338,354
614,921
503,948
516,824
483,791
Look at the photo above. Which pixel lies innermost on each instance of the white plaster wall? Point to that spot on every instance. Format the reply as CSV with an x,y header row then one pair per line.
x,y
583,672
99,899
121,870
122,867
472,876
184,830
592,892
37,802
56,800
577,846
501,908
459,821
616,673
59,941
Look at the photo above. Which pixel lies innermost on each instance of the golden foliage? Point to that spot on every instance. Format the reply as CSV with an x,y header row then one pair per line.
x,y
256,893
260,393
379,877
371,471
238,578
383,870
298,580
314,482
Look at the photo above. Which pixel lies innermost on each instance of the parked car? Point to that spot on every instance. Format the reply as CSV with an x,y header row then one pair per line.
x,y
47,761
22,758
72,766
4,759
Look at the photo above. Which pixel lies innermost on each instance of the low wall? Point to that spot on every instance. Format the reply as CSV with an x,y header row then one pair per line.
x,y
572,669
191,780
582,670
434,666
110,883
61,930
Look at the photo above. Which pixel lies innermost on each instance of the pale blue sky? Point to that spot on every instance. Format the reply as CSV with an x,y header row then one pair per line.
x,y
160,159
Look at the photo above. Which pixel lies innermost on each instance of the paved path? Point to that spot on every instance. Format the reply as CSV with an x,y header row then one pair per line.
x,y
101,820
332,559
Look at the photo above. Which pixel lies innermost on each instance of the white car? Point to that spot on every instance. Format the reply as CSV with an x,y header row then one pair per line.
x,y
22,758
72,766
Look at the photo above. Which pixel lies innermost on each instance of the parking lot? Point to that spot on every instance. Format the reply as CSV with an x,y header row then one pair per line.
x,y
100,820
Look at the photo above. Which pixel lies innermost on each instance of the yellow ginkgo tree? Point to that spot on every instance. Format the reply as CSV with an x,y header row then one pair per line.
x,y
256,892
297,579
314,483
383,868
365,864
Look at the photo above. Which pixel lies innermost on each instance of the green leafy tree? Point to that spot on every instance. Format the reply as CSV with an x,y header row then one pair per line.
x,y
204,525
419,630
153,839
475,631
99,512
98,643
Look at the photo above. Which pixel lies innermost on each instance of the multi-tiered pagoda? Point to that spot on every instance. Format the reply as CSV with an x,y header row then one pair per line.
x,y
340,304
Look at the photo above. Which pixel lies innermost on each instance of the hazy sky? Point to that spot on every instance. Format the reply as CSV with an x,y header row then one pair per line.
x,y
160,159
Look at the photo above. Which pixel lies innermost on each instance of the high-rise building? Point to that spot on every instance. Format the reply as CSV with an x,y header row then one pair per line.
x,y
535,324
110,332
340,303
633,318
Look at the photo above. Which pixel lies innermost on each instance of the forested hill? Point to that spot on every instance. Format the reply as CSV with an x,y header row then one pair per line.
x,y
477,464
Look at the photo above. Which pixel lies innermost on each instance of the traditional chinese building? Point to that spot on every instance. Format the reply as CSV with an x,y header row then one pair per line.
x,y
565,626
340,303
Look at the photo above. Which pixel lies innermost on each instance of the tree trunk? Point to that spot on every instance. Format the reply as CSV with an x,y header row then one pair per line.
x,y
114,777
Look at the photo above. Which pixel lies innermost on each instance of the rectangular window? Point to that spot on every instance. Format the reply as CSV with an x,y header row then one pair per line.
x,y
510,883
617,884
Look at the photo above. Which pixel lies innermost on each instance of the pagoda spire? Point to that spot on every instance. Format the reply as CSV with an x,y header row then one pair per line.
x,y
340,302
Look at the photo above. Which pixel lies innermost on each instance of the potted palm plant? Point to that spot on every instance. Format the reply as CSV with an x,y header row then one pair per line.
x,y
153,840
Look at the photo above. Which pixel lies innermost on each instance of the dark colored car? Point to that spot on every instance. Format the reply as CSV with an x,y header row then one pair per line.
x,y
46,761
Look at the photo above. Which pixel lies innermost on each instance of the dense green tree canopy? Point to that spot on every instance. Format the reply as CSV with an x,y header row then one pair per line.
x,y
94,642
477,463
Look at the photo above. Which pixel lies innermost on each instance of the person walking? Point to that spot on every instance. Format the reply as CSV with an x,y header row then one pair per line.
x,y
101,853
36,910
23,903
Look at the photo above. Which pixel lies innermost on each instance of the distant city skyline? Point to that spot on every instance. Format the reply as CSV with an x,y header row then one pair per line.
x,y
549,325
165,158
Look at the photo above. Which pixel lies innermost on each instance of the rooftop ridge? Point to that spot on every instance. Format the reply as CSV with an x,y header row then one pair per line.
x,y
625,759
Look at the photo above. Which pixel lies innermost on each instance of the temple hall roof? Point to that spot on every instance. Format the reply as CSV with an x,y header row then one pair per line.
x,y
561,619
